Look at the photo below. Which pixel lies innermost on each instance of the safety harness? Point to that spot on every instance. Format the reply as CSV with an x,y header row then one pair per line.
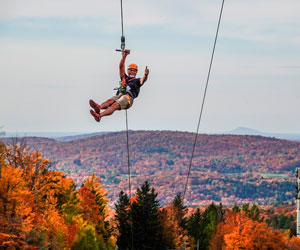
x,y
123,88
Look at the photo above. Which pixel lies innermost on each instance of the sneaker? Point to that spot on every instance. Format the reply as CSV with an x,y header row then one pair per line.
x,y
95,115
95,106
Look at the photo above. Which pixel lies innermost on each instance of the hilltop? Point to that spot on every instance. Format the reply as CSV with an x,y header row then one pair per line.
x,y
69,136
226,168
248,131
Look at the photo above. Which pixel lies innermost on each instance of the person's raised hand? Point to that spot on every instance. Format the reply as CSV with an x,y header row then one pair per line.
x,y
146,71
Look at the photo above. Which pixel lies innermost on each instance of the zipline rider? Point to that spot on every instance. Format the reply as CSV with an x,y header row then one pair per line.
x,y
129,90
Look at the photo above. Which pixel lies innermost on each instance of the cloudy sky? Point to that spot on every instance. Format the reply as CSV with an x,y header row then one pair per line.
x,y
57,54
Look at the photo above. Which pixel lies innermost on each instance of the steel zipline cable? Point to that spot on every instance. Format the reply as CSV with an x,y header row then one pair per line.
x,y
128,159
203,101
122,26
127,134
129,183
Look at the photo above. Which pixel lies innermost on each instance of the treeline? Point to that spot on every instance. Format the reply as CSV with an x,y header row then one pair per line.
x,y
143,225
43,209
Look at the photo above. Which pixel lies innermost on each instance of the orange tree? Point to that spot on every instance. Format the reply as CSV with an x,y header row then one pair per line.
x,y
238,231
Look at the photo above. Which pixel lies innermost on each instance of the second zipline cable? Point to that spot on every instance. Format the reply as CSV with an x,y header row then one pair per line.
x,y
203,101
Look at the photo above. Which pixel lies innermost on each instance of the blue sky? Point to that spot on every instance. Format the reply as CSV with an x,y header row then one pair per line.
x,y
56,55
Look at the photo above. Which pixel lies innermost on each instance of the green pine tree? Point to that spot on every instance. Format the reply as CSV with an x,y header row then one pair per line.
x,y
123,222
253,212
147,230
181,210
201,226
195,228
236,208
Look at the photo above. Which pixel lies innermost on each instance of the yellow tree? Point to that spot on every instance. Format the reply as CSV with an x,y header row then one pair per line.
x,y
52,191
173,233
54,226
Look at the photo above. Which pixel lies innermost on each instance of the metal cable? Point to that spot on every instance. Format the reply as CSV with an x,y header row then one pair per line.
x,y
203,101
128,159
122,17
129,182
127,136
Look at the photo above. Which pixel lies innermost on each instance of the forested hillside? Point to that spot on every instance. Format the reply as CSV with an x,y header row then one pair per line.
x,y
226,168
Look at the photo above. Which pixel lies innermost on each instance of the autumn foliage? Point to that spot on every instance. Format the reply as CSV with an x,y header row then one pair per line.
x,y
42,209
238,231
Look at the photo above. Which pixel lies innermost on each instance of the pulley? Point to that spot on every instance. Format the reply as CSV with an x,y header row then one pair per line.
x,y
122,44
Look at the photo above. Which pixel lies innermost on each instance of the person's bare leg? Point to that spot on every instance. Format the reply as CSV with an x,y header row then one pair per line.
x,y
112,108
106,104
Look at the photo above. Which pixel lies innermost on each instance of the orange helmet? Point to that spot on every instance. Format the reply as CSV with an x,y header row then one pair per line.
x,y
133,66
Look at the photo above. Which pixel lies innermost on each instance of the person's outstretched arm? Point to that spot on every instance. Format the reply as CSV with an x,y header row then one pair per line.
x,y
122,63
145,77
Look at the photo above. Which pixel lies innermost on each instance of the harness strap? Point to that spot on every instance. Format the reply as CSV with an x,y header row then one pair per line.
x,y
131,79
128,99
123,84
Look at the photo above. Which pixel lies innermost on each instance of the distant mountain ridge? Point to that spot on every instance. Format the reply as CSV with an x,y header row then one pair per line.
x,y
244,131
226,168
59,136
40,134
79,136
249,131
69,136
